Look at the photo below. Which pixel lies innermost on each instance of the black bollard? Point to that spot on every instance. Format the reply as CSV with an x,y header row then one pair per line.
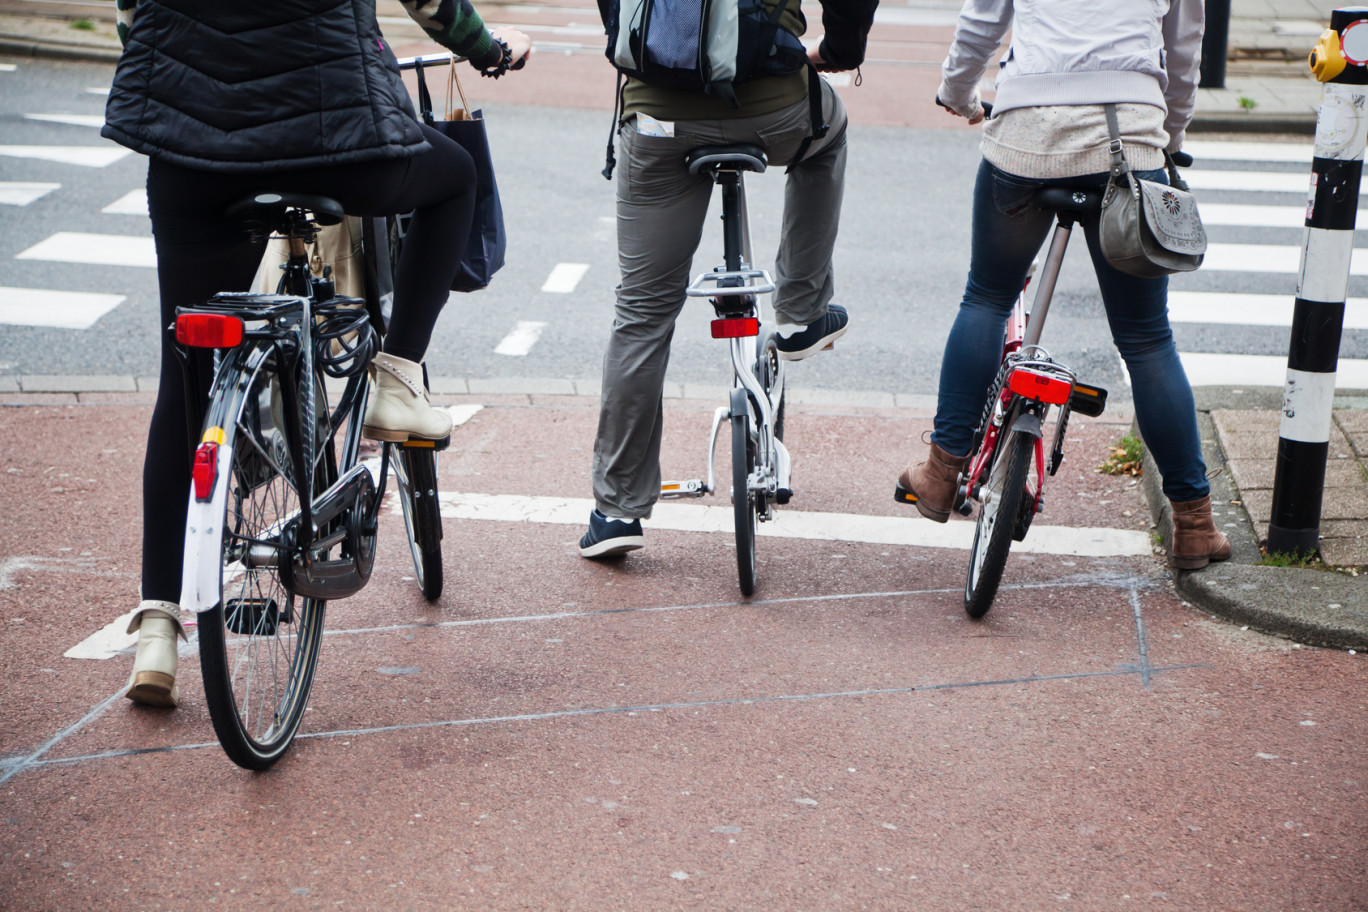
x,y
1215,44
1322,285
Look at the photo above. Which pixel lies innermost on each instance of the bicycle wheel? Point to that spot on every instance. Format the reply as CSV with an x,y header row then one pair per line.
x,y
743,499
1000,503
767,367
415,474
259,644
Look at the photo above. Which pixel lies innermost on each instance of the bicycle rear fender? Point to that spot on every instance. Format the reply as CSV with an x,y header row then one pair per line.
x,y
1028,423
202,560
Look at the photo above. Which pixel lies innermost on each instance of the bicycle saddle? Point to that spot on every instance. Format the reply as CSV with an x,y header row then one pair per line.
x,y
267,210
736,156
1065,199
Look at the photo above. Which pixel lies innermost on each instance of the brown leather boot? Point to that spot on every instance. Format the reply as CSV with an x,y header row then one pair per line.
x,y
1196,540
931,485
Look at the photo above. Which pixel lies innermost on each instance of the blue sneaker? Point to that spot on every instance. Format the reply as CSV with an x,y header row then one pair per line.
x,y
611,537
809,340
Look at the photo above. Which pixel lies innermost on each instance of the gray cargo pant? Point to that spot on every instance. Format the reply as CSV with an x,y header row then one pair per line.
x,y
660,214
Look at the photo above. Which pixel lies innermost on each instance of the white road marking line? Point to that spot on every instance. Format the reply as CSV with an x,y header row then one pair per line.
x,y
1268,258
1249,309
86,156
8,67
21,193
1262,216
95,249
460,414
60,309
98,90
134,202
1262,181
75,120
520,341
1206,369
565,277
107,642
1250,151
846,527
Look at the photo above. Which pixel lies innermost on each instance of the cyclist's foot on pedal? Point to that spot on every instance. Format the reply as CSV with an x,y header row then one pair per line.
x,y
1196,540
798,342
153,681
611,537
399,409
931,486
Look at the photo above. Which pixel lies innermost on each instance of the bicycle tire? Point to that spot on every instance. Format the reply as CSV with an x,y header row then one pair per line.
x,y
415,474
259,645
743,500
997,519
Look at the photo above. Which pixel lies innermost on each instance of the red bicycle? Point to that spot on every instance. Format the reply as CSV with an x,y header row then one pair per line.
x,y
1006,467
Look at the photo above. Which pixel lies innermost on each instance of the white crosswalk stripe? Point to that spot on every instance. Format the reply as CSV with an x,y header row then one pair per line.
x,y
1202,151
1249,309
1214,369
21,193
95,249
1268,258
77,120
86,156
134,202
520,341
1259,181
59,309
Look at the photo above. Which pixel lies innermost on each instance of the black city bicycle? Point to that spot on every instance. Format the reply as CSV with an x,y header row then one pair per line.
x,y
283,515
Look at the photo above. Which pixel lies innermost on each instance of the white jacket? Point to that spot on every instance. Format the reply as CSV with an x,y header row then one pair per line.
x,y
1075,52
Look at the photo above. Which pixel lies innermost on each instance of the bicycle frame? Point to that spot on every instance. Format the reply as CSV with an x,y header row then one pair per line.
x,y
278,336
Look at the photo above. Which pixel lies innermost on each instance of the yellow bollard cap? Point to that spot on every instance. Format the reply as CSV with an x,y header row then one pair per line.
x,y
1327,57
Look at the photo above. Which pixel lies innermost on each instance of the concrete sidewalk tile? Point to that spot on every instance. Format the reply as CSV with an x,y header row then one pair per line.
x,y
704,391
9,384
38,399
147,384
72,383
1345,552
589,388
670,391
524,386
449,385
1251,474
842,398
919,402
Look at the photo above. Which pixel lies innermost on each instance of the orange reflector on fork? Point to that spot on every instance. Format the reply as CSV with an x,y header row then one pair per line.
x,y
1041,387
735,327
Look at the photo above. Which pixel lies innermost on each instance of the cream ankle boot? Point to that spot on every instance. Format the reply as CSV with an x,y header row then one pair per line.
x,y
399,407
153,681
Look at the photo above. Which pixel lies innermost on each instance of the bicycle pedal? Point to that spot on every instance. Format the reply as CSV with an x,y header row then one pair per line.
x,y
783,495
414,443
673,490
903,495
253,616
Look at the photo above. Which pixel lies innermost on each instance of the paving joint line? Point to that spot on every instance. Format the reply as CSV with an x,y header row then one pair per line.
x,y
27,764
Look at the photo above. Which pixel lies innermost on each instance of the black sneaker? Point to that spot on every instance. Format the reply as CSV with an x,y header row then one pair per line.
x,y
611,537
816,335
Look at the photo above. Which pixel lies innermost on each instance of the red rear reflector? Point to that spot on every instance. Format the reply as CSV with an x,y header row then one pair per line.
x,y
208,330
1041,387
206,469
735,327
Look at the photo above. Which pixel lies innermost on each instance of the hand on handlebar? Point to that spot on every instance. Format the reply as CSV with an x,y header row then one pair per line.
x,y
519,45
1182,159
974,112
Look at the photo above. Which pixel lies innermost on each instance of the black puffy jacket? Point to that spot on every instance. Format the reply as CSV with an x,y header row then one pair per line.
x,y
256,86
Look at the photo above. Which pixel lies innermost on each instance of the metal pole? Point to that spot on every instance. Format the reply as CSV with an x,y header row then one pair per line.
x,y
1215,43
1323,283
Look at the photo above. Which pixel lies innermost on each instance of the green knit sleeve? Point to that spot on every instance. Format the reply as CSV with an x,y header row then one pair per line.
x,y
125,11
455,25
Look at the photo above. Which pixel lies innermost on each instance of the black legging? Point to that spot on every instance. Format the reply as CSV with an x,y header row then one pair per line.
x,y
200,254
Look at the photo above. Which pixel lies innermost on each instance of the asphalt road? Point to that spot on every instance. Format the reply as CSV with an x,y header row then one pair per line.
x,y
900,262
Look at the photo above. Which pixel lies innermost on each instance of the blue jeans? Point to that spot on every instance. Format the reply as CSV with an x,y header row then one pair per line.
x,y
1007,234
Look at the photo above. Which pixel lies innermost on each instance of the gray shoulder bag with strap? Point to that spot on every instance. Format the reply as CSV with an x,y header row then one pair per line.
x,y
1148,229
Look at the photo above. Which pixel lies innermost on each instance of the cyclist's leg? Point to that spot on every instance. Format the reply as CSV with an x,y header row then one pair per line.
x,y
812,207
660,213
197,257
1137,312
1006,236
